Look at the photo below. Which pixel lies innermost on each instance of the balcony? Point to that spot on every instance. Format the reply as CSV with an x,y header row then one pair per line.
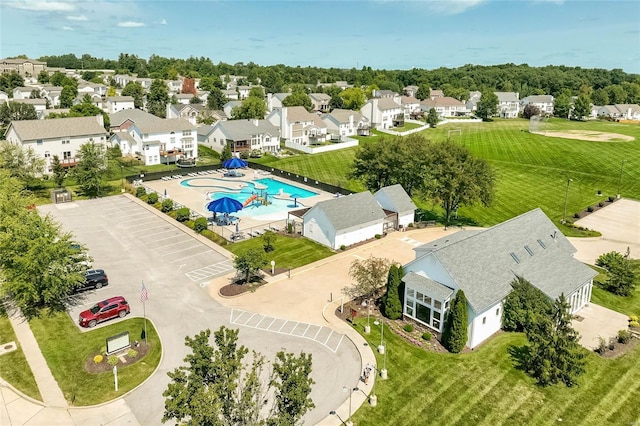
x,y
171,152
68,162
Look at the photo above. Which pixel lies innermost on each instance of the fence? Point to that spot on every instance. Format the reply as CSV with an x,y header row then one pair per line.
x,y
301,179
176,171
348,143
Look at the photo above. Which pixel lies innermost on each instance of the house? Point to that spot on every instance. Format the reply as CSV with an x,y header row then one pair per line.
x,y
410,105
155,140
472,103
341,84
543,102
52,93
445,106
320,101
189,112
346,122
298,126
508,104
620,111
382,113
61,136
241,135
230,94
411,91
274,100
433,94
377,93
483,263
3,96
229,106
23,92
24,67
118,103
396,202
184,98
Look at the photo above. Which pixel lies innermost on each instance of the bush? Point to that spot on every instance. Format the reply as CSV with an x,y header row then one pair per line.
x,y
576,215
378,236
152,198
611,199
590,209
599,192
113,360
343,247
408,328
200,224
410,225
167,205
182,215
634,324
624,336
602,346
612,344
132,353
607,260
140,191
98,359
600,204
426,336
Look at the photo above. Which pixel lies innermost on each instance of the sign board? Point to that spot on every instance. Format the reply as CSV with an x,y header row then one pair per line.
x,y
118,342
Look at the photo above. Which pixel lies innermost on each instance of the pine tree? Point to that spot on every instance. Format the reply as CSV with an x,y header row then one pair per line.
x,y
226,153
392,305
454,336
59,172
523,300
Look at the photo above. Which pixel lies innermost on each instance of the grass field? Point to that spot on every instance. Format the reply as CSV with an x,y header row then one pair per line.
x,y
66,349
532,170
14,368
485,388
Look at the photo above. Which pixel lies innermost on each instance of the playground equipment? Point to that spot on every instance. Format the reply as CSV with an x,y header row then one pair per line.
x,y
249,200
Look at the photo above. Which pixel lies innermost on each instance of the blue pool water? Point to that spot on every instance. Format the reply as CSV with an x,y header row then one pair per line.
x,y
275,186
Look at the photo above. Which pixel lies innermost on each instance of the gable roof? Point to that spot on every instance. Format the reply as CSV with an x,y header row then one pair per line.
x,y
398,197
57,128
149,123
507,96
342,115
299,113
483,264
244,129
539,99
319,97
386,103
442,101
350,210
409,100
120,99
135,115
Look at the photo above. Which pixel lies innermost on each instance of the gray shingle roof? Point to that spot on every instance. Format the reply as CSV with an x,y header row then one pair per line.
x,y
120,99
507,96
57,128
149,123
437,290
398,197
483,264
387,103
342,115
539,99
351,210
244,129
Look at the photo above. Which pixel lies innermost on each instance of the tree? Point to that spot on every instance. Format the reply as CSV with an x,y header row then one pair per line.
x,y
21,163
369,277
523,301
111,91
59,172
454,335
136,91
530,110
158,98
210,82
90,167
353,98
487,105
268,239
67,96
251,107
216,99
621,278
250,262
35,94
423,92
432,118
217,388
16,111
89,110
581,107
391,301
298,99
600,97
456,178
562,105
189,85
195,100
43,77
9,81
554,352
257,92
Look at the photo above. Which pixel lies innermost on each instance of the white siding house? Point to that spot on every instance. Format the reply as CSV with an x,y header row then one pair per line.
x,y
543,102
508,104
381,112
119,103
298,126
345,122
243,135
445,106
396,200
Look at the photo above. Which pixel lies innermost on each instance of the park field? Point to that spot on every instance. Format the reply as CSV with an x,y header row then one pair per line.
x,y
531,169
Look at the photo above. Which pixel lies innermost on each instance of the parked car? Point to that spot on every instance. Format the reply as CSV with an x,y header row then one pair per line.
x,y
96,279
105,310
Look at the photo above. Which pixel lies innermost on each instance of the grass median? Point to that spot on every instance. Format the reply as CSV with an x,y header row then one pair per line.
x,y
66,350
14,368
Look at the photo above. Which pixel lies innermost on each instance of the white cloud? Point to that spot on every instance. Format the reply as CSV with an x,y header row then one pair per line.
x,y
78,18
67,28
163,22
453,7
42,5
131,24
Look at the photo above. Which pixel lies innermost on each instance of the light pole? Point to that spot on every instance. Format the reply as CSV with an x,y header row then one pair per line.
x,y
620,181
121,178
566,197
333,413
367,328
356,389
381,345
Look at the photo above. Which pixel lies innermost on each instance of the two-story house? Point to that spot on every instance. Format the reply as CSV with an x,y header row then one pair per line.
x,y
411,91
382,113
241,135
445,106
410,105
24,67
298,126
543,102
189,112
320,101
346,122
508,104
118,103
274,100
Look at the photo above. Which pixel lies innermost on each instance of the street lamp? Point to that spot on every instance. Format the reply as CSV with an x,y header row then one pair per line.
x,y
367,328
333,413
381,345
121,178
620,181
356,389
566,197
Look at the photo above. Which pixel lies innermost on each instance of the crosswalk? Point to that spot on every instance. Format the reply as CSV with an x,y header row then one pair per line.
x,y
411,241
211,271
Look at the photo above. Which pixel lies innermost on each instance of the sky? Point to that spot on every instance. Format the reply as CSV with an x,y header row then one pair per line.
x,y
381,34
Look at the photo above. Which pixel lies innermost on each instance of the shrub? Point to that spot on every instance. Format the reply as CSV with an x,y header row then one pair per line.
x,y
103,349
408,328
633,318
152,198
634,324
602,346
182,215
140,191
98,359
410,225
600,204
200,224
611,199
576,215
113,360
612,343
167,205
607,260
132,353
378,236
624,336
590,209
426,336
599,192
343,247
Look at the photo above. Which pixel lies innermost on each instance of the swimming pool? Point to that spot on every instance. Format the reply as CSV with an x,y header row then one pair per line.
x,y
275,186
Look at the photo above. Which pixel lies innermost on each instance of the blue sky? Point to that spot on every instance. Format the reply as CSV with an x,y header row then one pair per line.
x,y
385,34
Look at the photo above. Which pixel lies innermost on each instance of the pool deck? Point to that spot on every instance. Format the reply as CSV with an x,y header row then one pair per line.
x,y
195,198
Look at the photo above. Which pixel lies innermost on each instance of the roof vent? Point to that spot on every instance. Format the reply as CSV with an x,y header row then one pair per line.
x,y
542,244
515,257
555,235
528,249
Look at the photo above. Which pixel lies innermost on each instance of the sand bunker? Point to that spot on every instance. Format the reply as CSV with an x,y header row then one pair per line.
x,y
587,135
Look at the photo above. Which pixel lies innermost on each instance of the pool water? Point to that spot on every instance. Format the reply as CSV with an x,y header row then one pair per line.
x,y
275,186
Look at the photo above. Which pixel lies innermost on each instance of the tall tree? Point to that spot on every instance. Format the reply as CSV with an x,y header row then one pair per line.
x,y
600,97
250,262
226,153
21,163
432,118
562,105
215,99
456,178
454,335
43,77
487,105
530,110
424,92
90,110
16,111
523,301
158,98
298,99
391,299
251,107
353,98
292,384
59,172
90,168
135,90
67,96
188,86
621,278
9,81
369,277
582,107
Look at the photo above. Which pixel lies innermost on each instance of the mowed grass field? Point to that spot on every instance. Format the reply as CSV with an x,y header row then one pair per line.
x,y
531,170
484,387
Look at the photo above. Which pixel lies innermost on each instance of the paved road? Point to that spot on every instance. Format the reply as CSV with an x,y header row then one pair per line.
x,y
134,244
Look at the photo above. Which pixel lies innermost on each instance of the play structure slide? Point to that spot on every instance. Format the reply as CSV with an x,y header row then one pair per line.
x,y
250,199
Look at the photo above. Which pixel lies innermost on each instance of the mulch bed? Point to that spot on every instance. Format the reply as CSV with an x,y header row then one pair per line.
x,y
142,348
238,287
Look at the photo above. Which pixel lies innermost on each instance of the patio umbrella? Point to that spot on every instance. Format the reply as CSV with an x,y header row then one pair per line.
x,y
234,163
295,199
224,205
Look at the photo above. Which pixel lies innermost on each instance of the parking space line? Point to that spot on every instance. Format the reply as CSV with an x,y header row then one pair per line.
x,y
162,239
179,259
330,334
185,240
178,251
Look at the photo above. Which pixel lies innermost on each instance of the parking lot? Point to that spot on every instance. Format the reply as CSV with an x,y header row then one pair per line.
x,y
135,243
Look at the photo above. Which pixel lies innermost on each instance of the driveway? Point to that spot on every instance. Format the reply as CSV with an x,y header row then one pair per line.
x,y
134,244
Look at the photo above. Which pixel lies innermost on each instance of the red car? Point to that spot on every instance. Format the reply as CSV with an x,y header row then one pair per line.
x,y
102,311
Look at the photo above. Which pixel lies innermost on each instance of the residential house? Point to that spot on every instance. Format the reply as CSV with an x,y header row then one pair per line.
x,y
508,104
346,122
298,126
61,136
243,91
40,105
397,204
229,106
189,112
52,93
24,67
543,102
472,103
433,94
231,94
382,113
3,96
445,106
241,135
23,92
620,111
341,84
377,93
274,100
174,86
232,81
184,98
320,101
410,105
483,263
411,91
118,103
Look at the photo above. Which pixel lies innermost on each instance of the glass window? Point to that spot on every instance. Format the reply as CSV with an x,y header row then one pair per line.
x,y
39,141
410,292
427,300
437,304
436,324
419,297
423,313
497,311
411,302
446,305
484,320
409,311
436,315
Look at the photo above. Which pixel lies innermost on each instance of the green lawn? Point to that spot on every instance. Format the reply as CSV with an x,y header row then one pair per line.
x,y
484,388
626,305
13,365
289,252
66,350
407,126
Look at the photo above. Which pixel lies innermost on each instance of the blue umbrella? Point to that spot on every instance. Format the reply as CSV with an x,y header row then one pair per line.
x,y
234,163
295,199
224,205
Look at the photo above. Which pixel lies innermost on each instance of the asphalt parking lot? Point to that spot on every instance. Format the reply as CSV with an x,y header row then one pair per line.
x,y
134,244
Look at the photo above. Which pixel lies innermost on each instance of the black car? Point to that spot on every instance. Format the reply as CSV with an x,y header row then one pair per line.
x,y
96,278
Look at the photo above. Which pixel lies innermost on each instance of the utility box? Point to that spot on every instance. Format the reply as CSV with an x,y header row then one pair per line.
x,y
61,196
